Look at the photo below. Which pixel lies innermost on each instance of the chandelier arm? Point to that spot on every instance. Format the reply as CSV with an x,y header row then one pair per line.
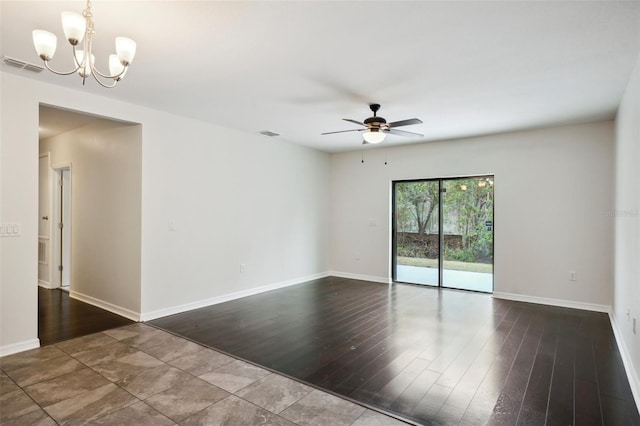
x,y
95,70
95,77
46,64
75,58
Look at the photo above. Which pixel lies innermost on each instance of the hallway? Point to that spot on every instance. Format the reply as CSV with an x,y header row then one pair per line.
x,y
62,318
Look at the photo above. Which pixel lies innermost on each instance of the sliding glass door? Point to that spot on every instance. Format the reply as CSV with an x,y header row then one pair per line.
x,y
417,242
443,232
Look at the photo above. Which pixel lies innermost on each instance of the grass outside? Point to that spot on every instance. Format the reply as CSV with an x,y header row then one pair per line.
x,y
448,264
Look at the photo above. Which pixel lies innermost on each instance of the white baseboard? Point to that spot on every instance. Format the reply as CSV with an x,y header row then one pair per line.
x,y
45,284
19,347
123,312
632,374
159,313
552,302
384,280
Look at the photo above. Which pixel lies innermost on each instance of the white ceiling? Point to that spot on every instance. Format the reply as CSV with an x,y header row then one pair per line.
x,y
298,68
55,121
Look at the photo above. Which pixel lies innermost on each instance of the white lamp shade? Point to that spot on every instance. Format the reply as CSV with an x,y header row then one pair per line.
x,y
74,26
373,137
45,44
126,50
116,67
85,68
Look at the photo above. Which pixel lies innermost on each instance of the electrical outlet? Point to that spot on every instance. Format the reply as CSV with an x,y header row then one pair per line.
x,y
572,276
243,267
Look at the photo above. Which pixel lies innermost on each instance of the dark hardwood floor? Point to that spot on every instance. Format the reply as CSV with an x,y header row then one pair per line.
x,y
61,318
434,357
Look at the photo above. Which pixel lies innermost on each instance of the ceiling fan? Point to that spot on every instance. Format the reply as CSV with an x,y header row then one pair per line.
x,y
376,128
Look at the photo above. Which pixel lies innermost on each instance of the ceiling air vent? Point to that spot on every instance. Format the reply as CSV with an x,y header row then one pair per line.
x,y
269,133
17,63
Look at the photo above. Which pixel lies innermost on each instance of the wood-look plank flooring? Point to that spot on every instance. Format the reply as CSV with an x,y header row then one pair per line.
x,y
431,356
62,318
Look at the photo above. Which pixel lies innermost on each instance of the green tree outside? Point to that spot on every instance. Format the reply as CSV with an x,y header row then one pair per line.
x,y
468,214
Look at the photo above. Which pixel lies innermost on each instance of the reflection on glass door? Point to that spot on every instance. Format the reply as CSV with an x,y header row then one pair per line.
x,y
443,232
417,241
468,233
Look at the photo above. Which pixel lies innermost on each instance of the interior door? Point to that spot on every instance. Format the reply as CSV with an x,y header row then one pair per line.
x,y
65,227
44,192
44,217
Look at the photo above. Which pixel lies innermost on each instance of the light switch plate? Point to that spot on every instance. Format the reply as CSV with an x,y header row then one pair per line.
x,y
10,230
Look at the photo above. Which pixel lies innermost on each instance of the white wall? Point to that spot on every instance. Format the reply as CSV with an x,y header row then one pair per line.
x,y
214,183
552,192
627,230
106,167
233,199
18,204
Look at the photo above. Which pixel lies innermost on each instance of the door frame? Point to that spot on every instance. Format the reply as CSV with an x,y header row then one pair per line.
x,y
49,188
56,236
394,247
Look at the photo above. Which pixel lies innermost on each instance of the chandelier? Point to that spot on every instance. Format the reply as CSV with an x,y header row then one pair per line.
x,y
80,29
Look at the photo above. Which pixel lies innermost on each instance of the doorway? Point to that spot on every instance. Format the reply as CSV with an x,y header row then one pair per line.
x,y
93,166
443,232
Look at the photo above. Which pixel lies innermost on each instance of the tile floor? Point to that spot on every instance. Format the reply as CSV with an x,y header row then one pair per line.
x,y
139,375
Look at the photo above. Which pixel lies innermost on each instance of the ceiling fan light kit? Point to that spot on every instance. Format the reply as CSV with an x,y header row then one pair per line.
x,y
376,128
79,28
373,136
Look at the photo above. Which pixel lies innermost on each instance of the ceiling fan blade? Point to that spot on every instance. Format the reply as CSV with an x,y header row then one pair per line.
x,y
403,133
354,121
342,131
408,122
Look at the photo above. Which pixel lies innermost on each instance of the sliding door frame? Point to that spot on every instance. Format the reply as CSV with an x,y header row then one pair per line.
x,y
441,189
394,230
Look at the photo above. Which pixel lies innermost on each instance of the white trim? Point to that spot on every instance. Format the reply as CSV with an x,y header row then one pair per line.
x,y
62,165
372,278
45,284
124,312
56,199
47,238
14,348
632,374
159,313
552,302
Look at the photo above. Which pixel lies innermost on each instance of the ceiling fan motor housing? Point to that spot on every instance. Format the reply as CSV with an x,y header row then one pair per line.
x,y
376,123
